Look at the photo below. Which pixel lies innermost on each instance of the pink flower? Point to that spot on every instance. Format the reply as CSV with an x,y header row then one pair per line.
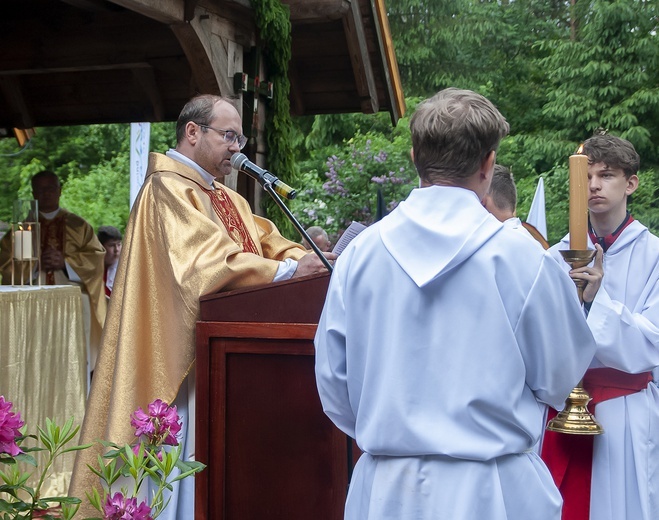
x,y
118,507
10,423
160,426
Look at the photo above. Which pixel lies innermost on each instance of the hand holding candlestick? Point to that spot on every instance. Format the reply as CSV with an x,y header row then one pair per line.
x,y
575,418
588,279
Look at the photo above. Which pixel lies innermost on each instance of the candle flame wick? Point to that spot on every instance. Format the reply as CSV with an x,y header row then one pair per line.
x,y
580,149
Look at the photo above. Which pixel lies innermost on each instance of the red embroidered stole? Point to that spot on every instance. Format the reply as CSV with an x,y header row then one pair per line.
x,y
52,237
233,222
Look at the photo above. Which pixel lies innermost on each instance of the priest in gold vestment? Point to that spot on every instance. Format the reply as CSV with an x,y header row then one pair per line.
x,y
71,254
187,235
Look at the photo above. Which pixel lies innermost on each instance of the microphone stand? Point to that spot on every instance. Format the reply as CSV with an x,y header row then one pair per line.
x,y
267,186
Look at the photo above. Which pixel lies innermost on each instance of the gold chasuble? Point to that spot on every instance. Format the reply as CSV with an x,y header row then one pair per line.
x,y
182,241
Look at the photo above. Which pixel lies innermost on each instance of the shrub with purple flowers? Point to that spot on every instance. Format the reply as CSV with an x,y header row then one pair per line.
x,y
154,455
18,499
347,186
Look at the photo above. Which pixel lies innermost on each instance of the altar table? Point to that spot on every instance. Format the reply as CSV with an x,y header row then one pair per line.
x,y
43,363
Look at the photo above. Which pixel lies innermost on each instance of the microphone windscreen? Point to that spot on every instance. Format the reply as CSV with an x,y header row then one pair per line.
x,y
237,160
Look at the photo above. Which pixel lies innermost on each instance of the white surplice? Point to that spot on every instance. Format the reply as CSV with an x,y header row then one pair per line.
x,y
624,319
442,335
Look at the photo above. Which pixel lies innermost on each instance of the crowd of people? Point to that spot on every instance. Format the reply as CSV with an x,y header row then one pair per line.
x,y
448,338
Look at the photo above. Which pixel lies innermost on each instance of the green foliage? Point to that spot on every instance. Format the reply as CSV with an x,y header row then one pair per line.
x,y
554,86
607,76
102,195
344,187
273,22
93,163
556,71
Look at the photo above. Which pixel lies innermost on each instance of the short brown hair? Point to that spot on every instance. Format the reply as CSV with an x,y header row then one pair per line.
x,y
613,151
199,110
503,190
452,133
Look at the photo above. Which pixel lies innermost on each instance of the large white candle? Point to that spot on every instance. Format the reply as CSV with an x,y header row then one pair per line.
x,y
22,245
578,201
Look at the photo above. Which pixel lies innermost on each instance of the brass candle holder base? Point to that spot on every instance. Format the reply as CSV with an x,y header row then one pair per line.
x,y
575,418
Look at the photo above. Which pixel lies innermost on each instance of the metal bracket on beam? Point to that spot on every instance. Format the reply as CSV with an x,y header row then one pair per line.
x,y
242,83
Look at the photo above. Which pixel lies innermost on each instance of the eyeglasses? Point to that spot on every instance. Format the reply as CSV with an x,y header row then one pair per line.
x,y
229,136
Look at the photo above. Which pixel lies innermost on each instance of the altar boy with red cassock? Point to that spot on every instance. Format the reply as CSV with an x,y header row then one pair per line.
x,y
615,476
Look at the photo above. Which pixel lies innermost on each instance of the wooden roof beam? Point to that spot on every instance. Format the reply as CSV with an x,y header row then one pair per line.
x,y
316,10
147,80
297,103
11,89
360,59
74,68
165,11
392,74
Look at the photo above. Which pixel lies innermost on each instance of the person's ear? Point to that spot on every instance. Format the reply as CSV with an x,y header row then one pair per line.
x,y
632,184
192,131
487,165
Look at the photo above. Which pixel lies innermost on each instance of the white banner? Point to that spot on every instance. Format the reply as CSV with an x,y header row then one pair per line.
x,y
537,217
139,156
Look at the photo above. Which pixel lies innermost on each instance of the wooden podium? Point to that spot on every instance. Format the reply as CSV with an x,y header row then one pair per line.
x,y
270,450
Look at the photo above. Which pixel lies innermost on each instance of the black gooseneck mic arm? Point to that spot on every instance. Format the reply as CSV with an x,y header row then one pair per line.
x,y
267,186
241,163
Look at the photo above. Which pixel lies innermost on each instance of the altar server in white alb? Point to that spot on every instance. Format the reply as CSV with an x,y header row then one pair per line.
x,y
443,334
622,300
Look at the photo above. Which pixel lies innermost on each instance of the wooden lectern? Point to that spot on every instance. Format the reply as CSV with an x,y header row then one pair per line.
x,y
270,450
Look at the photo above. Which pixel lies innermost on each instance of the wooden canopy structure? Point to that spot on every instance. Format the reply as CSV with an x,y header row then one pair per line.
x,y
70,62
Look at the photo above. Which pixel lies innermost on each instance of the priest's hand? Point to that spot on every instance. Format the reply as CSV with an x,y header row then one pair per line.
x,y
310,264
591,275
52,260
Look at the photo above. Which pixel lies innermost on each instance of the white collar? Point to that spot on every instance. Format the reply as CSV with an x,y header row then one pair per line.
x,y
178,156
51,215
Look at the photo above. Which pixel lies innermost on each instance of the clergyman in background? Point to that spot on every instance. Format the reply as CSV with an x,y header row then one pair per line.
x,y
71,254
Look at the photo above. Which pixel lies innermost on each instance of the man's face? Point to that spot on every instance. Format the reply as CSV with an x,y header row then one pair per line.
x,y
608,188
47,191
112,251
211,151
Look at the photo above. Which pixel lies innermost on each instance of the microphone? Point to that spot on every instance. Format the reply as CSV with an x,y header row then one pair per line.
x,y
241,163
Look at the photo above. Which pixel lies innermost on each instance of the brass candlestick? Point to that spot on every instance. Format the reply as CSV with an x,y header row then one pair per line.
x,y
575,417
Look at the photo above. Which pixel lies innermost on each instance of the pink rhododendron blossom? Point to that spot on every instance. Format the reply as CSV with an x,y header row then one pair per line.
x,y
117,507
10,423
160,426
